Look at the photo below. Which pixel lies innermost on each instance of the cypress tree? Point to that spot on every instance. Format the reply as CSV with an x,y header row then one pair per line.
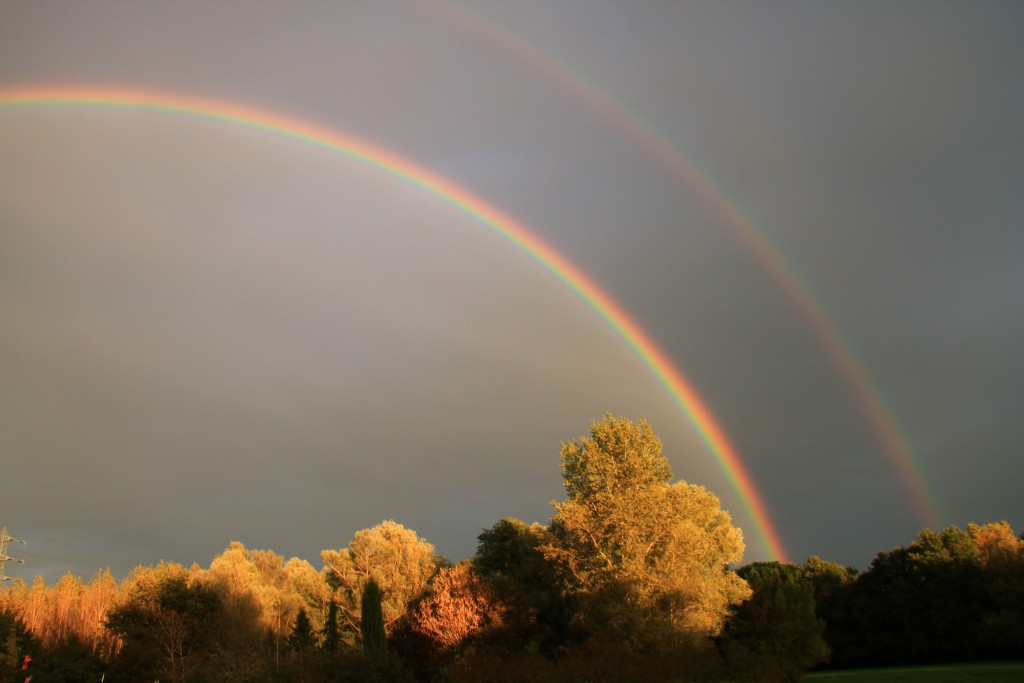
x,y
372,624
332,639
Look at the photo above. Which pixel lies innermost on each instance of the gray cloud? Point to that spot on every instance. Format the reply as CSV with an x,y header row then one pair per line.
x,y
210,335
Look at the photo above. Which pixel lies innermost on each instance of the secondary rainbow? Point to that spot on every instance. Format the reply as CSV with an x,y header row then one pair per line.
x,y
398,168
853,372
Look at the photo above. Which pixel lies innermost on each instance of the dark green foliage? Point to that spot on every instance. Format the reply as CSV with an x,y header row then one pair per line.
x,y
331,641
169,631
950,596
372,624
914,605
302,636
775,635
67,661
509,558
15,644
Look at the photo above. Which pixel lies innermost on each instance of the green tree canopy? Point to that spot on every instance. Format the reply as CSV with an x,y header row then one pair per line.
x,y
775,635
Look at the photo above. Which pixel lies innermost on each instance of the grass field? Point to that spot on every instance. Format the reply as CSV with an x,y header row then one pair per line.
x,y
988,672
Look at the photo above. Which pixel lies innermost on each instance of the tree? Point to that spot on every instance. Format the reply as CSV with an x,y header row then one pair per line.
x,y
1002,564
915,605
394,557
371,624
648,558
536,609
459,606
833,589
167,622
775,635
302,637
259,595
331,636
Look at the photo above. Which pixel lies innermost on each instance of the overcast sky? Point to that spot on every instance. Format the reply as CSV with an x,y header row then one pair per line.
x,y
210,335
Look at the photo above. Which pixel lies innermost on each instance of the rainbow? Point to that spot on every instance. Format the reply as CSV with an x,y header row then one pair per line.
x,y
852,371
408,173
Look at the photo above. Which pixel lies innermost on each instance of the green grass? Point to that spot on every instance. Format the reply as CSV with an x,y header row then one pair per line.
x,y
987,672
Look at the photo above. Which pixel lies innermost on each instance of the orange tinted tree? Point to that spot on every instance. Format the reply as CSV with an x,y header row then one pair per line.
x,y
400,562
649,559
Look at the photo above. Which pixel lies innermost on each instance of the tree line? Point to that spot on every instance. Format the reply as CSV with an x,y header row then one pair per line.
x,y
635,577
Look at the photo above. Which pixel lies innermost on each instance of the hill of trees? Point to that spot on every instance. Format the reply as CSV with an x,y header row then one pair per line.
x,y
634,578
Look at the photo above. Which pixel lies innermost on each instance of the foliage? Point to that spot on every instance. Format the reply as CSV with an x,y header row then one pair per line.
x,y
16,643
167,622
975,672
372,623
627,582
331,641
394,557
302,636
536,607
647,558
950,596
775,635
459,606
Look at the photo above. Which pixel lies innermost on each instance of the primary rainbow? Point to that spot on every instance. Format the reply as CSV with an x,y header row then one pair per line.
x,y
396,167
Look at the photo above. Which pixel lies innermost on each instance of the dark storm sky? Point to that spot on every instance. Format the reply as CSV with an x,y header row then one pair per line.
x,y
212,335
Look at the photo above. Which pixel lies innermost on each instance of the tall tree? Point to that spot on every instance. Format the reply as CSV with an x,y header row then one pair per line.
x,y
400,562
331,640
371,624
302,636
649,558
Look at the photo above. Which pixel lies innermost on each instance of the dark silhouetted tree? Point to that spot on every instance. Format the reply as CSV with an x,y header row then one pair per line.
x,y
775,635
331,641
375,643
302,636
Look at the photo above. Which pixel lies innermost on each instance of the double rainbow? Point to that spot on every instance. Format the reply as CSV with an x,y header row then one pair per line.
x,y
410,174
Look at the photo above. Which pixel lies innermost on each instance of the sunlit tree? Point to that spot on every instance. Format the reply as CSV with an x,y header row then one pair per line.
x,y
648,557
400,562
459,606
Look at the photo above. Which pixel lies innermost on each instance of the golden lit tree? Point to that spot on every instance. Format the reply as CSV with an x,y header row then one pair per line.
x,y
648,558
459,606
256,583
400,562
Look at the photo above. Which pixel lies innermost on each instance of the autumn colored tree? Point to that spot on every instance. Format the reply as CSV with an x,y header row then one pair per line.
x,y
261,599
400,562
311,586
648,558
460,605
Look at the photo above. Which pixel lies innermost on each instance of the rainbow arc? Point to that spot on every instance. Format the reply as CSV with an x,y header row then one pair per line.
x,y
677,386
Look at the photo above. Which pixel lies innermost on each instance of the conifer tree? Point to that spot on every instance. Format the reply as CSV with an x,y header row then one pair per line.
x,y
302,637
332,638
372,623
